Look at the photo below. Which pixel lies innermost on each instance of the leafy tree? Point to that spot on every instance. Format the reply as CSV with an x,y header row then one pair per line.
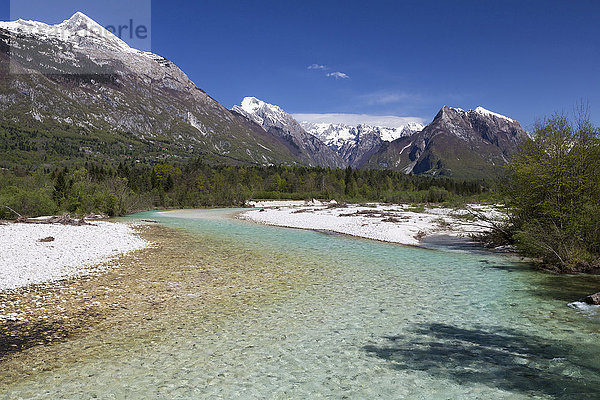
x,y
163,176
553,193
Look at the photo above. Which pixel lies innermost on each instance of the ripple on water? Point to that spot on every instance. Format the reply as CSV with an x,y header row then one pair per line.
x,y
297,314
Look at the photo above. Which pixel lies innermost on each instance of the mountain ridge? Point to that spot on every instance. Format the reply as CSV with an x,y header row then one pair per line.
x,y
308,148
80,83
473,143
76,90
357,143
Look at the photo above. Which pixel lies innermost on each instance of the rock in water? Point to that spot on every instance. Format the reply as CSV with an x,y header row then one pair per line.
x,y
592,299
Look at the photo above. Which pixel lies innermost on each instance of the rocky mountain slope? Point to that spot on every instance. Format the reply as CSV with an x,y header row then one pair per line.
x,y
308,148
76,90
356,144
464,144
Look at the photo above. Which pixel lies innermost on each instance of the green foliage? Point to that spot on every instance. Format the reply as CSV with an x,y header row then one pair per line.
x,y
118,189
53,143
163,176
553,192
27,195
33,202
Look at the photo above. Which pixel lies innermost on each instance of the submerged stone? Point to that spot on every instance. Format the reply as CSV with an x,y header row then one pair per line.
x,y
592,299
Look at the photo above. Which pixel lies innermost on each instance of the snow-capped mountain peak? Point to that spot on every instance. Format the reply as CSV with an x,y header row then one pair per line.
x,y
79,30
479,110
274,120
391,134
251,104
78,74
262,112
336,135
267,115
80,21
483,111
83,46
356,143
481,142
333,135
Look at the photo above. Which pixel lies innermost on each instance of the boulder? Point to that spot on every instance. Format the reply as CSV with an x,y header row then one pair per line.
x,y
592,299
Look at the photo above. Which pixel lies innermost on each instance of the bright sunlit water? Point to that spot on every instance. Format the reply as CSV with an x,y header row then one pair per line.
x,y
372,320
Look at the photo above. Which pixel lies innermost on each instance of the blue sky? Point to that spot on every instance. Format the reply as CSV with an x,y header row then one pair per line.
x,y
524,59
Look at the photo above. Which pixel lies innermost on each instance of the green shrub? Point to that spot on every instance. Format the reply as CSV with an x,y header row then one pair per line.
x,y
553,193
33,203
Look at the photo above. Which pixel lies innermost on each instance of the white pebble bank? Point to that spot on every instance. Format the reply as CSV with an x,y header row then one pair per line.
x,y
76,250
407,227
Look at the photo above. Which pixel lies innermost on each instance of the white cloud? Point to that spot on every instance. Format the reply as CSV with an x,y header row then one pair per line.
x,y
389,121
338,75
317,66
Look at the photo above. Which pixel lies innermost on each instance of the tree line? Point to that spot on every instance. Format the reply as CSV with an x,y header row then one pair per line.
x,y
114,190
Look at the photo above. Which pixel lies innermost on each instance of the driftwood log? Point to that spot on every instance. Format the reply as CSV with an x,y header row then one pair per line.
x,y
63,220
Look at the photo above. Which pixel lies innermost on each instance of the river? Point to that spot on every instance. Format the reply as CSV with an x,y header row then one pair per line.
x,y
329,316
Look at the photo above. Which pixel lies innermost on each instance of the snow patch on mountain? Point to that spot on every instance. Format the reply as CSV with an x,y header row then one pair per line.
x,y
267,115
333,135
337,135
355,144
389,121
483,111
79,30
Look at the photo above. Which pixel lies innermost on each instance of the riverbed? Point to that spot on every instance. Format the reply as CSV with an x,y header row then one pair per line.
x,y
225,308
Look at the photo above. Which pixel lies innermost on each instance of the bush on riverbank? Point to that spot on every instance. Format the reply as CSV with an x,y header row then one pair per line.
x,y
553,194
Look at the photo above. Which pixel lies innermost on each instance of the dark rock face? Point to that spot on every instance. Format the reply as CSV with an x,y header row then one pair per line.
x,y
366,143
464,144
593,299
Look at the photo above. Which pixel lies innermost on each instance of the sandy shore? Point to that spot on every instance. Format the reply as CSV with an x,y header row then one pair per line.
x,y
402,224
74,250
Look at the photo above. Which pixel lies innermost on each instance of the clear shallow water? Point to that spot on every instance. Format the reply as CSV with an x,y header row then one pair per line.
x,y
372,320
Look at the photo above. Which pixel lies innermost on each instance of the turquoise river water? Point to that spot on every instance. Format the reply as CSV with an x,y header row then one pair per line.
x,y
372,320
